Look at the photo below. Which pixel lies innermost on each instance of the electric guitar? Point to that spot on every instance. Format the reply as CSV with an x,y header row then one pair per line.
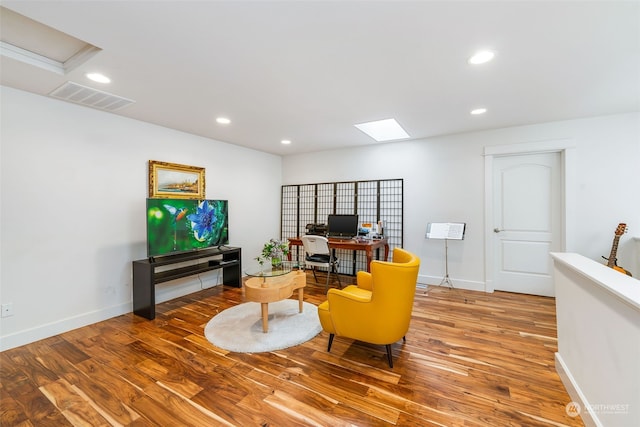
x,y
612,261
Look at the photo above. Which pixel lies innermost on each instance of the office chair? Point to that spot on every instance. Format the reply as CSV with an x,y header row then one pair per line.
x,y
318,254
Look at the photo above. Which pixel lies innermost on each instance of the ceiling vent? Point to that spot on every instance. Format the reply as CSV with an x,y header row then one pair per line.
x,y
73,92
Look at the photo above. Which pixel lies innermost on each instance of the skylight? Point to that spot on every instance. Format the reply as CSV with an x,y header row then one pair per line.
x,y
383,130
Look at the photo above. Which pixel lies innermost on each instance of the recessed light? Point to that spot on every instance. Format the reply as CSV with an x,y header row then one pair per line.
x,y
383,130
285,141
223,120
481,57
477,111
97,77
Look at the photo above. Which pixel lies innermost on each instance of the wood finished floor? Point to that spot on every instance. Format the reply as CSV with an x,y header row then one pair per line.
x,y
470,359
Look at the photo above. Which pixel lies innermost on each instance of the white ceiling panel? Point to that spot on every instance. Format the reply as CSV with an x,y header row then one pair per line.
x,y
308,71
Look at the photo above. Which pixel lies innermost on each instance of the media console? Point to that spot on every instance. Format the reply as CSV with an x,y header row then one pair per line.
x,y
145,276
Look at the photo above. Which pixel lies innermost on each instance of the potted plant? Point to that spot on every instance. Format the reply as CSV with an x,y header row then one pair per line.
x,y
275,250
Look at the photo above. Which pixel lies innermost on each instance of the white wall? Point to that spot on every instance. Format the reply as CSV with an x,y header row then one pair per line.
x,y
74,182
444,181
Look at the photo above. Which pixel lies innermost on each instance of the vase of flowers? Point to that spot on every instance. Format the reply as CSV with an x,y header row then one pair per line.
x,y
274,250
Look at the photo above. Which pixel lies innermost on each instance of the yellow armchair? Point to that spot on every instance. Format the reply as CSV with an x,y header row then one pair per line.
x,y
378,309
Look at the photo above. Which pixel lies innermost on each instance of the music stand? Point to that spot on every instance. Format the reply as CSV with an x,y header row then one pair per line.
x,y
446,231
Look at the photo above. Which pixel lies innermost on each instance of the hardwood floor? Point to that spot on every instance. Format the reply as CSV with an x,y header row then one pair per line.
x,y
470,359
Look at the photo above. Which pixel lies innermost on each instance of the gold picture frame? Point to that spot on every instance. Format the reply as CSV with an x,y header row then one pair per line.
x,y
172,180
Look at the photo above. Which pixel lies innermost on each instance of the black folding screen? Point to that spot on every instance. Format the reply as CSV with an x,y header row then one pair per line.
x,y
372,201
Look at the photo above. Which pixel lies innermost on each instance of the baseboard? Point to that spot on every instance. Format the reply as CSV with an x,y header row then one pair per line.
x,y
573,389
64,325
470,285
50,329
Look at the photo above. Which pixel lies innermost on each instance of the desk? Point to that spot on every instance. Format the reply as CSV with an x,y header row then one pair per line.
x,y
352,245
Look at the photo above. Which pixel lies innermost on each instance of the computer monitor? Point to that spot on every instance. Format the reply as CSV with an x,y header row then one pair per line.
x,y
342,225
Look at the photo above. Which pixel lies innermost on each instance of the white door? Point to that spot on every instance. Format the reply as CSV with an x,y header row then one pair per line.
x,y
527,219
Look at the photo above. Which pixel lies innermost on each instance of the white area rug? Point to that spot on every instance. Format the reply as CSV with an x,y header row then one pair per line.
x,y
239,328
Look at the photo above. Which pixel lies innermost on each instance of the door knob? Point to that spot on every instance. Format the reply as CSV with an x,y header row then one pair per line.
x,y
496,230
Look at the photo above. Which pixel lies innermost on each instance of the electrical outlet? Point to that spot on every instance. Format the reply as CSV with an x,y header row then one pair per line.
x,y
7,309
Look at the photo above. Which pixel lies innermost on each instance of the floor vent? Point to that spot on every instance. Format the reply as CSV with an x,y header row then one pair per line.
x,y
90,97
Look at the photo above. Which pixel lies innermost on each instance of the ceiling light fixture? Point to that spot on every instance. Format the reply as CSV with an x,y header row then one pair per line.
x,y
286,141
481,57
223,120
97,77
383,130
478,111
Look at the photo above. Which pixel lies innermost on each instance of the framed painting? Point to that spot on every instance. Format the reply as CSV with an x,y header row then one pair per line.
x,y
171,180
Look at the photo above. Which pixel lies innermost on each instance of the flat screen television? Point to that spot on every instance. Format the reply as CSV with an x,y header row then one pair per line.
x,y
342,225
182,225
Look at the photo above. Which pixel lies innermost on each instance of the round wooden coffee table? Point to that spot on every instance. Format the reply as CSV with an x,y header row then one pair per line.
x,y
266,289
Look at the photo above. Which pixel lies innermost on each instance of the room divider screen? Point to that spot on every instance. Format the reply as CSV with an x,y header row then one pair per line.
x,y
372,201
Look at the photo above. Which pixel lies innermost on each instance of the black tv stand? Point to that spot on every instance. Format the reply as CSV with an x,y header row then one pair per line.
x,y
145,277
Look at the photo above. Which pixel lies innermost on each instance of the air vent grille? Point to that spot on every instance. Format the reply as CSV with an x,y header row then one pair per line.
x,y
73,92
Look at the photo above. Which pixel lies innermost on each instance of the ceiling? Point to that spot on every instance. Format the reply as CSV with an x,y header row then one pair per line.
x,y
308,71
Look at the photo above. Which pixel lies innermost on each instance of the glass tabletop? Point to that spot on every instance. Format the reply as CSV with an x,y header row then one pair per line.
x,y
267,270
